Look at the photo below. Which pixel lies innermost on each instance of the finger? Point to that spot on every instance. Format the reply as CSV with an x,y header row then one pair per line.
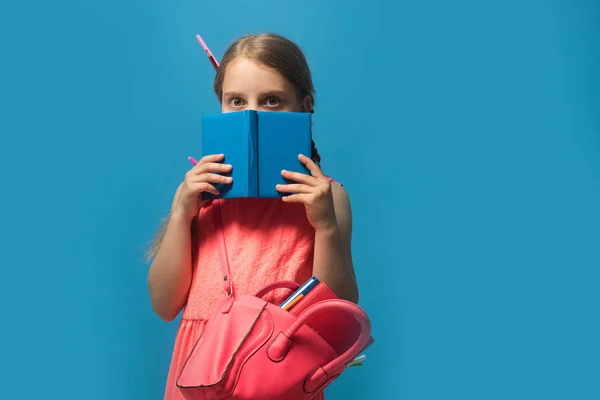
x,y
300,178
203,187
294,188
297,198
211,158
212,178
311,165
211,167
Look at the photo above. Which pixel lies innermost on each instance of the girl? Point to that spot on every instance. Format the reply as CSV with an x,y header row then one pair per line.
x,y
303,234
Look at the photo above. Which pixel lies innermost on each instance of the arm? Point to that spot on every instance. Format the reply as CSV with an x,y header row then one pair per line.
x,y
170,274
333,256
328,211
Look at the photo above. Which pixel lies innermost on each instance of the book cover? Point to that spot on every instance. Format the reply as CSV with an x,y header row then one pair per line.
x,y
258,145
281,137
235,135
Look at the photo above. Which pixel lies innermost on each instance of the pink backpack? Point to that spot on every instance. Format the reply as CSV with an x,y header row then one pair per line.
x,y
253,349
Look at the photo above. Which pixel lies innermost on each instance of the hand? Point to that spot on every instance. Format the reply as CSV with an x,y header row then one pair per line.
x,y
197,180
314,191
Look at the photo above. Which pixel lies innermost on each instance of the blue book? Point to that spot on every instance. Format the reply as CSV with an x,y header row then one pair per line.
x,y
258,145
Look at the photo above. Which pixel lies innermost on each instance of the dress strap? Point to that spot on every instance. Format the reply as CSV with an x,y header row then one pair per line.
x,y
333,180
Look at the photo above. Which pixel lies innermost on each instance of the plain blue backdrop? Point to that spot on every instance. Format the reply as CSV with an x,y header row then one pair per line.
x,y
467,134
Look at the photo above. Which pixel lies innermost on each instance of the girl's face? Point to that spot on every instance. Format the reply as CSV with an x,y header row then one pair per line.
x,y
251,86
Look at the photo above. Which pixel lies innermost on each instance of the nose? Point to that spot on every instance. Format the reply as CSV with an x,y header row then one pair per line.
x,y
252,106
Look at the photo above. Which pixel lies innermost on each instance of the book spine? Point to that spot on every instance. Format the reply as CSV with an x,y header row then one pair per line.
x,y
252,154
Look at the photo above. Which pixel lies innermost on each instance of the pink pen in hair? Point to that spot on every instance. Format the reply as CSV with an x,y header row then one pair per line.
x,y
192,160
212,58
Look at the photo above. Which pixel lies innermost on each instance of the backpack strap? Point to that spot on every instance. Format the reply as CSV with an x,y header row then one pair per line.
x,y
218,221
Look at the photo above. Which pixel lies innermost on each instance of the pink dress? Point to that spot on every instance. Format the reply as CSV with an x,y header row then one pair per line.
x,y
267,240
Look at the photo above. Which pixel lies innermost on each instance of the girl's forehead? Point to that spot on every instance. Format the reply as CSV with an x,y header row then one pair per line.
x,y
243,75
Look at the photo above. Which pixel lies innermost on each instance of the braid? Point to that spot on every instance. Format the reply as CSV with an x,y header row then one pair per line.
x,y
314,153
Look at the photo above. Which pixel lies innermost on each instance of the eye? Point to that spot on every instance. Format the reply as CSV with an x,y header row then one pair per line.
x,y
236,102
272,101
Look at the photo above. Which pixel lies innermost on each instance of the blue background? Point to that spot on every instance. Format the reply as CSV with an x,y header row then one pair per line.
x,y
467,134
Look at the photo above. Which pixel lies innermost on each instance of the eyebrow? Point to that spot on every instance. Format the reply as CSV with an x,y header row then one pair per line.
x,y
277,92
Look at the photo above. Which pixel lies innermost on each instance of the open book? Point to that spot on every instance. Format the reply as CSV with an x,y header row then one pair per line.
x,y
258,145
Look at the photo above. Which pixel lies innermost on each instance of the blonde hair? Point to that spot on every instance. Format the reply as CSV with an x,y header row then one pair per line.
x,y
275,52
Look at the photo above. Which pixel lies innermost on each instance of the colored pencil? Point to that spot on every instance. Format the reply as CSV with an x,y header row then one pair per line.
x,y
212,58
299,294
